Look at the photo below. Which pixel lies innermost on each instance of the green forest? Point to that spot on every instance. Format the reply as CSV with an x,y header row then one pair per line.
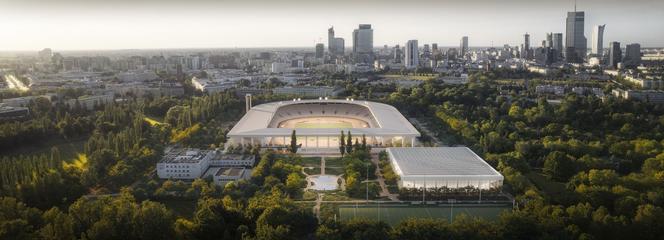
x,y
586,168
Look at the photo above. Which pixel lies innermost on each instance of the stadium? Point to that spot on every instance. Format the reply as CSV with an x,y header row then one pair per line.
x,y
318,124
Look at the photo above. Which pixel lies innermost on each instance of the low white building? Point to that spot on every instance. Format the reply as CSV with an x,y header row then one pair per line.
x,y
220,159
221,176
89,102
184,163
435,167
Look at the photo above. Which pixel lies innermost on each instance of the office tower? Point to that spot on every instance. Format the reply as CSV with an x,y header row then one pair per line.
x,y
558,42
426,50
463,48
335,45
434,47
339,46
525,50
412,54
575,41
615,54
598,40
549,40
363,39
320,50
544,55
330,40
397,54
45,54
632,55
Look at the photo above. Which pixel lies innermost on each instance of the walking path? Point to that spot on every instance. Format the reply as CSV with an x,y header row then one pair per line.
x,y
322,165
428,132
384,192
319,199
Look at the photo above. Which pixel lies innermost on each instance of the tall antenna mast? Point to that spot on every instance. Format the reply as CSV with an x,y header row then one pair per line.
x,y
574,5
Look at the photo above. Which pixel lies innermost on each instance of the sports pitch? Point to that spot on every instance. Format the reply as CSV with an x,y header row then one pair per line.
x,y
323,125
393,214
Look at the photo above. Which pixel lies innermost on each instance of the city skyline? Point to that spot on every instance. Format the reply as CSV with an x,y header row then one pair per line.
x,y
97,25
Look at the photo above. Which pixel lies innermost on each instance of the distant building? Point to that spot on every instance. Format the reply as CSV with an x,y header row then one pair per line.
x,y
412,54
398,55
320,50
335,45
651,96
575,42
632,55
558,44
7,112
363,39
463,46
615,54
307,91
45,54
525,52
598,40
89,102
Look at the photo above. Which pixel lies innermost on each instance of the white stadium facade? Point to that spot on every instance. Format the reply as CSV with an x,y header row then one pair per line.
x,y
318,124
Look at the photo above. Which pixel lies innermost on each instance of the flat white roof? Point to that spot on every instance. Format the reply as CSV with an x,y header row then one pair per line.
x,y
440,161
256,122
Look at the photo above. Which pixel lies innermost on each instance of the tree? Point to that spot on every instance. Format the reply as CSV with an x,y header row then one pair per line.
x,y
364,142
421,228
558,166
58,225
349,143
293,143
342,143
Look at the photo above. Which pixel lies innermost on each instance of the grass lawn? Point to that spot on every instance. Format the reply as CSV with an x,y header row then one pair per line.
x,y
334,162
181,208
68,149
395,213
311,161
312,171
334,171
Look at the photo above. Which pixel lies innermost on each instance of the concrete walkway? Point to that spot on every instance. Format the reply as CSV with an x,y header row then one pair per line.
x,y
322,165
384,192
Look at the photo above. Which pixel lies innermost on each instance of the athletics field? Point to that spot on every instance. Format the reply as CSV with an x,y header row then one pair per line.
x,y
395,213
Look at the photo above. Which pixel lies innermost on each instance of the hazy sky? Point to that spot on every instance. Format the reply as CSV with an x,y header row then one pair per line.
x,y
132,24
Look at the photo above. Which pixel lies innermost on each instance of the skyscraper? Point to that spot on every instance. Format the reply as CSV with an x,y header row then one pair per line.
x,y
335,45
412,58
632,55
575,41
549,40
598,40
558,42
463,48
615,54
397,54
525,52
363,39
320,50
330,40
558,45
